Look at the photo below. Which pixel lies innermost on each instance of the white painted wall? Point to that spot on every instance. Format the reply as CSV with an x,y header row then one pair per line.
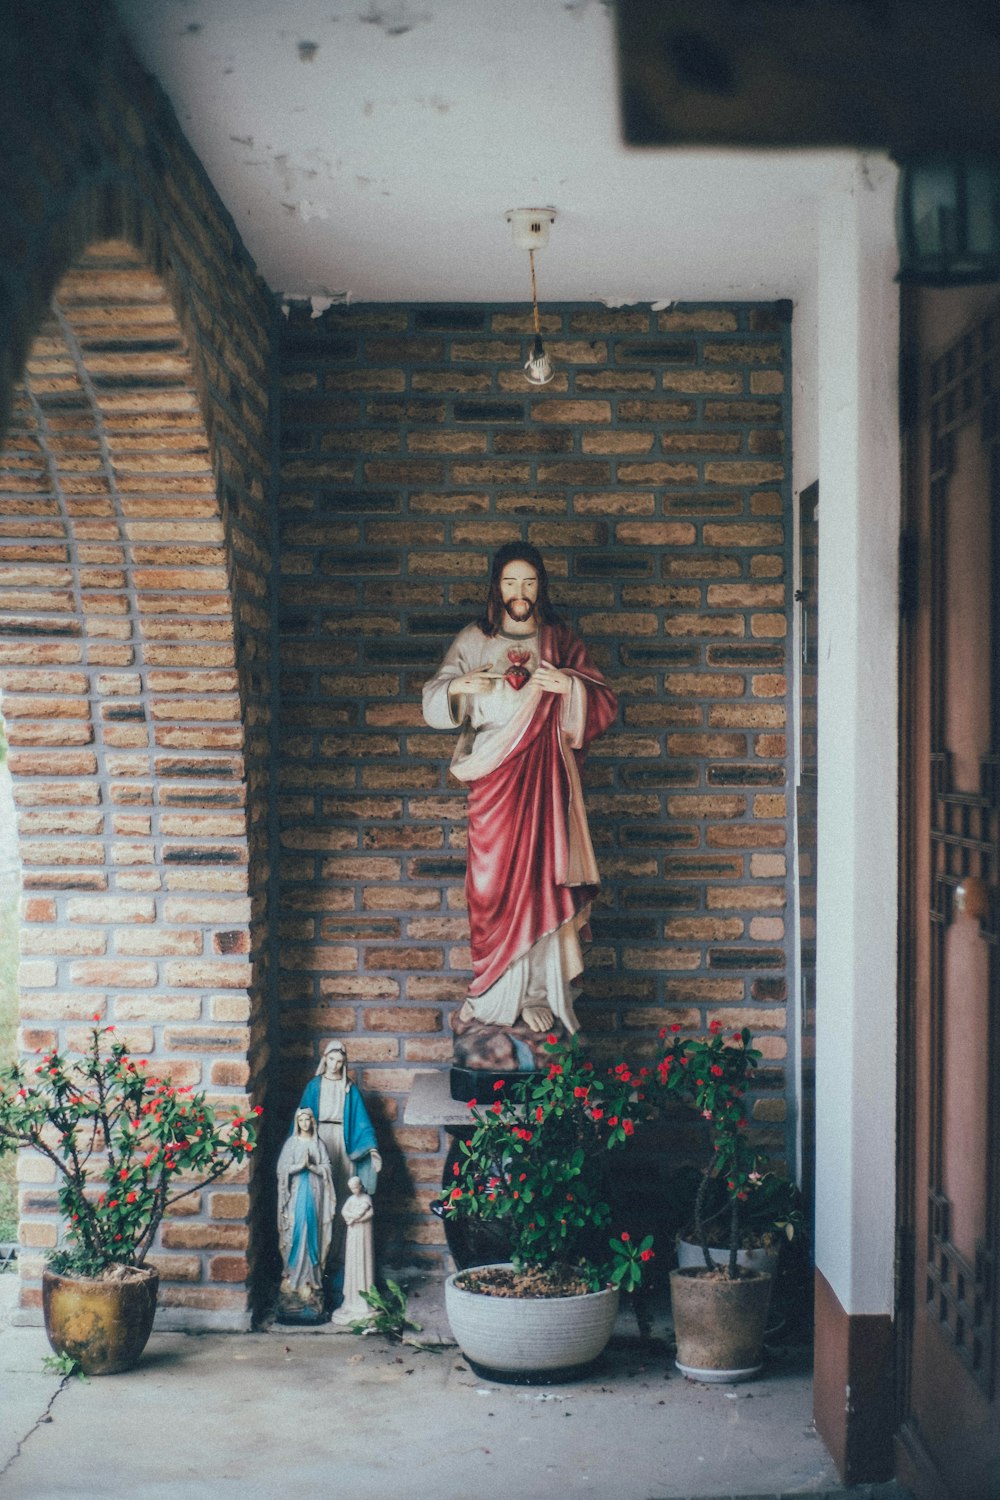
x,y
859,477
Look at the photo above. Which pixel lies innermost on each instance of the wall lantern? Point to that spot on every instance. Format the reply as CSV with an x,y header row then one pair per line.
x,y
531,233
948,220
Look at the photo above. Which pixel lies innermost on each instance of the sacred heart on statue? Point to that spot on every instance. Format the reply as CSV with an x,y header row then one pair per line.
x,y
517,673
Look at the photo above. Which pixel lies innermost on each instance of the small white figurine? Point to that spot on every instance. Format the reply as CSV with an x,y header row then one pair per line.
x,y
359,1254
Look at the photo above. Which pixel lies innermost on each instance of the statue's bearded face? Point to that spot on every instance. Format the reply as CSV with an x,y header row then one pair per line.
x,y
519,590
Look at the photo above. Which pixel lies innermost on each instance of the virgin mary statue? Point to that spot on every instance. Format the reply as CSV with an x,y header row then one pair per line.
x,y
306,1206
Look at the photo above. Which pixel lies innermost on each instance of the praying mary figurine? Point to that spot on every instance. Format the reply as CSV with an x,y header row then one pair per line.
x,y
306,1206
348,1135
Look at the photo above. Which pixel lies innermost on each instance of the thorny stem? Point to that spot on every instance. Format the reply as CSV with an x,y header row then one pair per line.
x,y
700,1223
734,1236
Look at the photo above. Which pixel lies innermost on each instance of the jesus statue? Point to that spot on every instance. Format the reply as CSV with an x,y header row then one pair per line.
x,y
527,701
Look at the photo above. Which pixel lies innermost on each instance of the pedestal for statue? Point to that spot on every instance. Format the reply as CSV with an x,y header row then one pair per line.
x,y
485,1055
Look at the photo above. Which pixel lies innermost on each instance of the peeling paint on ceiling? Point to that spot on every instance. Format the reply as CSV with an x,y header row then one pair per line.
x,y
396,133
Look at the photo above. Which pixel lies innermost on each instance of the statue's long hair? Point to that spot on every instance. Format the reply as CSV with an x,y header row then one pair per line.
x,y
516,552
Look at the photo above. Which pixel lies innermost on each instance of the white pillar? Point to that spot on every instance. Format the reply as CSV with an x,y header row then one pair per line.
x,y
859,494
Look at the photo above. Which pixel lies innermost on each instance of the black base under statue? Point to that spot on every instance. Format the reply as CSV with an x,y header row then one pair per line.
x,y
304,1318
479,1083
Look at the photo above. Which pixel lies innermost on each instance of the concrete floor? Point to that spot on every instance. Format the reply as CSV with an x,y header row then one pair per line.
x,y
213,1416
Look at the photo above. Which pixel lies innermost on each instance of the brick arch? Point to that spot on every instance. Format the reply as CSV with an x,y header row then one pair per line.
x,y
125,713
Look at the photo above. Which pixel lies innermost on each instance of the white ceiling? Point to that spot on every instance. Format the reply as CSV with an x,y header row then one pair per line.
x,y
368,149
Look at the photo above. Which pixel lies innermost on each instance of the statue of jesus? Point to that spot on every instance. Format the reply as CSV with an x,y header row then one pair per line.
x,y
527,700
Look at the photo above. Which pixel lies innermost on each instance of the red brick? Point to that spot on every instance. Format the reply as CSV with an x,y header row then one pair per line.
x,y
402,1019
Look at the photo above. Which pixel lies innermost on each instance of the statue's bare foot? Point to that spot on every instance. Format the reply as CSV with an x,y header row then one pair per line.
x,y
537,1015
467,1013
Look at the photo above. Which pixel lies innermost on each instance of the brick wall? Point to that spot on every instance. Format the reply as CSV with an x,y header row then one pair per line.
x,y
136,640
652,473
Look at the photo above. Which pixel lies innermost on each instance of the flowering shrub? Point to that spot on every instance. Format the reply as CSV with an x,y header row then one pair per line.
x,y
537,1161
127,1146
711,1073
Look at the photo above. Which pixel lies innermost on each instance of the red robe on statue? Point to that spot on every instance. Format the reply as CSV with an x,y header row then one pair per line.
x,y
531,870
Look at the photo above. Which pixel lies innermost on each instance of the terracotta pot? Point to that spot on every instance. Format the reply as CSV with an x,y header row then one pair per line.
x,y
101,1324
530,1339
719,1324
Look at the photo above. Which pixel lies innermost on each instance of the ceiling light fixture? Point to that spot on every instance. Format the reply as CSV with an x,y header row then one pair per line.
x,y
531,233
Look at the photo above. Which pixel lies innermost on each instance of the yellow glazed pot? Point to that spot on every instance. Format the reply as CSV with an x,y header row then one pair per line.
x,y
101,1324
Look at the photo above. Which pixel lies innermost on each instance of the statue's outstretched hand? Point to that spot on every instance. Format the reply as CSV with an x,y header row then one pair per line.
x,y
550,679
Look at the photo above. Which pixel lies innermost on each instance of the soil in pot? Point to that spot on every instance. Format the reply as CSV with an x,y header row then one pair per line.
x,y
102,1323
719,1323
504,1281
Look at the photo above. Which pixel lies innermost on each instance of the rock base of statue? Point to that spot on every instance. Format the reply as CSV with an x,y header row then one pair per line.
x,y
300,1305
485,1055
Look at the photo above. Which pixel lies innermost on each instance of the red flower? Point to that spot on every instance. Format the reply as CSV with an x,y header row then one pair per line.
x,y
113,1203
676,1026
612,1120
628,1127
551,1039
539,1114
645,1255
498,1085
715,1070
471,1104
130,1197
580,1093
497,1107
454,1169
597,1113
715,1025
626,1237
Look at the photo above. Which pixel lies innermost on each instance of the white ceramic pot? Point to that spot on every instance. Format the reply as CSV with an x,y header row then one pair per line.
x,y
530,1338
761,1259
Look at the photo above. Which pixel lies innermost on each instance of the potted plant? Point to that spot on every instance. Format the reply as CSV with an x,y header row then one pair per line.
x,y
771,1216
536,1162
126,1146
720,1310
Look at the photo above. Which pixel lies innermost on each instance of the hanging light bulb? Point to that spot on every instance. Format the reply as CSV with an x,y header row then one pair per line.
x,y
538,366
531,232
